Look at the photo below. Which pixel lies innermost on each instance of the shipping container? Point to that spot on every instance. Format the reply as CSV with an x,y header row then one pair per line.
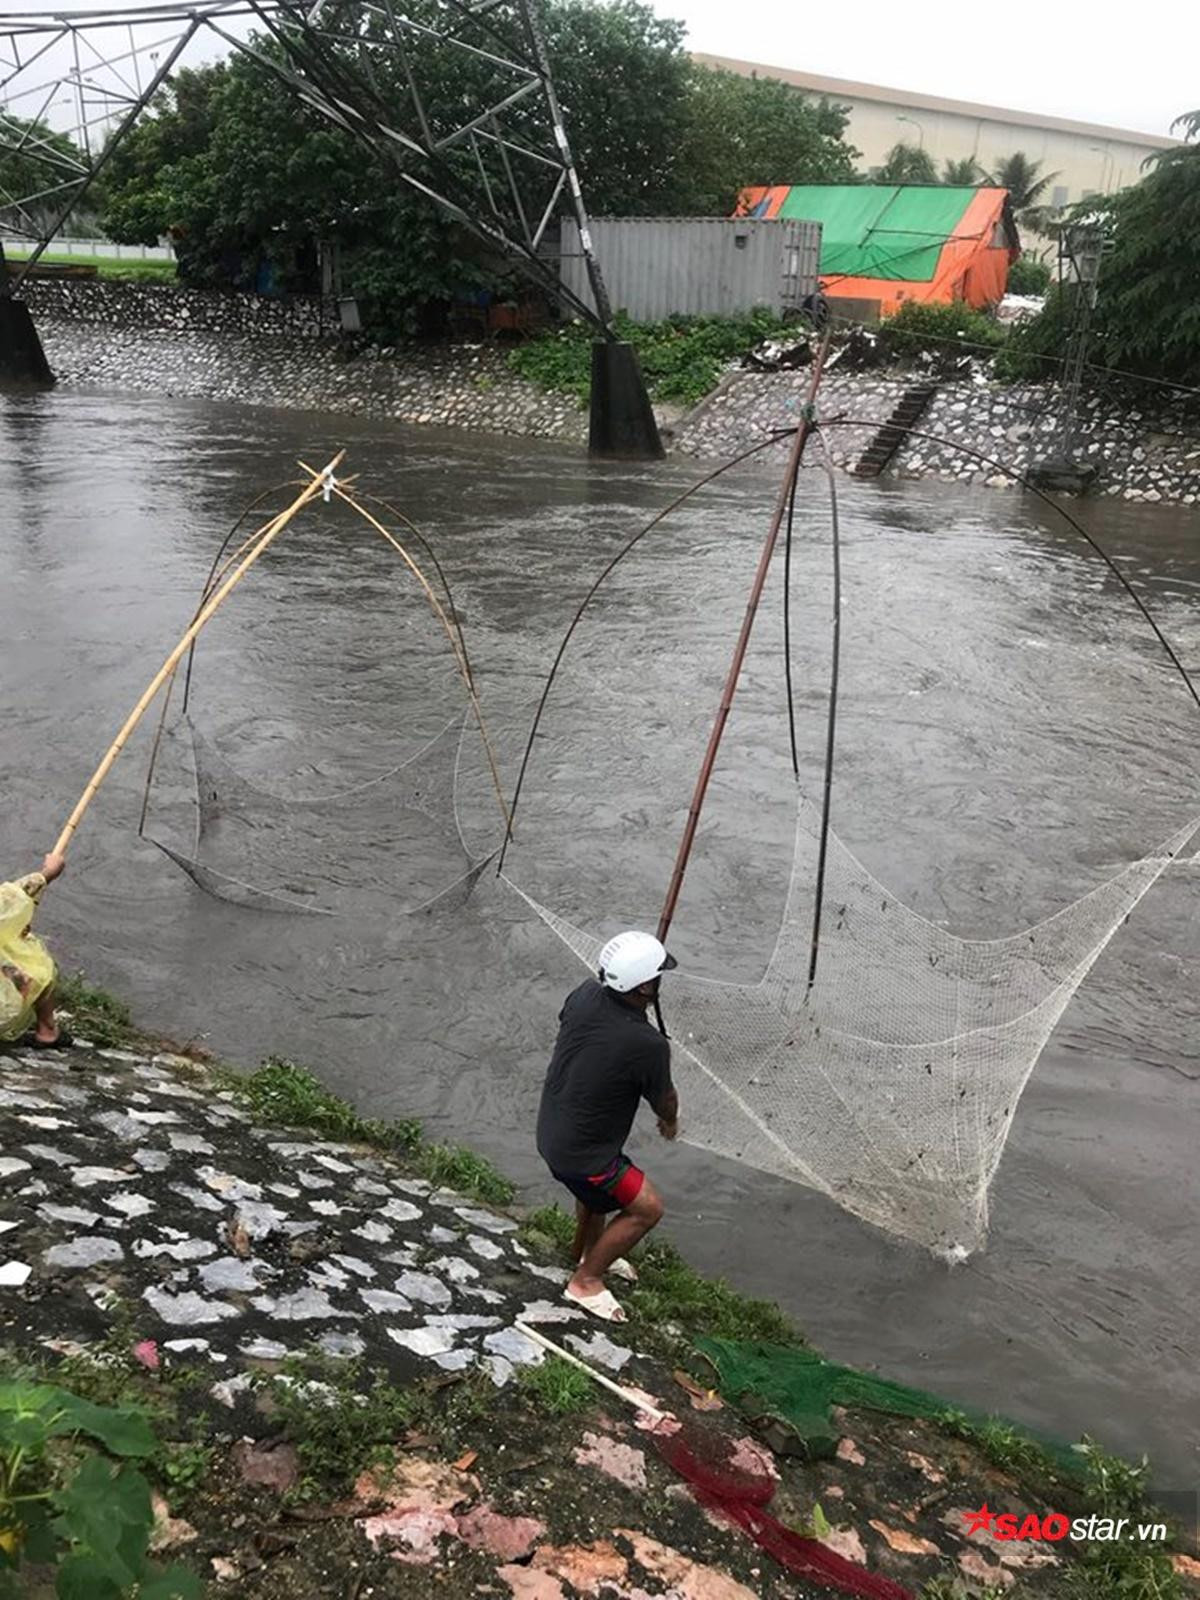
x,y
657,267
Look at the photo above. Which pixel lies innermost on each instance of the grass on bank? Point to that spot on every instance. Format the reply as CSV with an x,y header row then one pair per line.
x,y
344,1419
282,1091
106,266
95,1014
557,1387
684,357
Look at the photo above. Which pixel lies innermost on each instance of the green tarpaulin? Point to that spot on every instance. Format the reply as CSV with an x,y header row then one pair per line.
x,y
880,230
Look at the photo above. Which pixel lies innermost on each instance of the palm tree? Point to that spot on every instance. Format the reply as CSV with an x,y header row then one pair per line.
x,y
1023,179
961,174
906,163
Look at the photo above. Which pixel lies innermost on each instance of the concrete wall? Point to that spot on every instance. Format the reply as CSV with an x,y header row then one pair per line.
x,y
16,247
1088,157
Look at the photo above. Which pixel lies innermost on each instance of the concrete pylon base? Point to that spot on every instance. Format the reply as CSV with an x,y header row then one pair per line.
x,y
622,426
23,362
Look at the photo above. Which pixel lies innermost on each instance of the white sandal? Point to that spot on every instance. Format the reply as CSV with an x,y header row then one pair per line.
x,y
603,1305
623,1269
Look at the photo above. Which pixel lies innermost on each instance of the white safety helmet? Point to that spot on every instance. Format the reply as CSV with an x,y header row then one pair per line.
x,y
632,958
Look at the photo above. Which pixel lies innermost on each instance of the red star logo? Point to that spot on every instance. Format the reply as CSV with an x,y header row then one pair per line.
x,y
978,1521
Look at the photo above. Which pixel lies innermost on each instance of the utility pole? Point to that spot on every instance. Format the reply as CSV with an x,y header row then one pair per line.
x,y
1080,250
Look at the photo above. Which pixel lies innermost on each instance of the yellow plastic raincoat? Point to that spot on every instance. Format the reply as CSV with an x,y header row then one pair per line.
x,y
26,966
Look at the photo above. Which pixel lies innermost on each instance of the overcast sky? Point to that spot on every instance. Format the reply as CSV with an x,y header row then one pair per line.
x,y
1135,67
1128,66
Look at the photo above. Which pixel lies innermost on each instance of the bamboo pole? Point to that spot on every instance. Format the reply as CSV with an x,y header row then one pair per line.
x,y
630,1396
268,534
451,634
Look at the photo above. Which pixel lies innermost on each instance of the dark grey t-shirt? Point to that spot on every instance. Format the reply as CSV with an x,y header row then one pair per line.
x,y
607,1058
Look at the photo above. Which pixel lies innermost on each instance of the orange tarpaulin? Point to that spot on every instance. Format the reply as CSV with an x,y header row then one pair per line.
x,y
887,244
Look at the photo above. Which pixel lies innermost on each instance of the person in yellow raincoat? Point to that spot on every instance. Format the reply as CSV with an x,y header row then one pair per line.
x,y
27,970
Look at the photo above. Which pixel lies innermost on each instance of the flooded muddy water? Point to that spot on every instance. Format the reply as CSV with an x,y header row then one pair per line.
x,y
1009,735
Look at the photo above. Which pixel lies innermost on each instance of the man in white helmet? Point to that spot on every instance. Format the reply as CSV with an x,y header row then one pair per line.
x,y
608,1058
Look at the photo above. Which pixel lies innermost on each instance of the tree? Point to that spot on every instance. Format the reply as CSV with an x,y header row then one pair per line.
x,y
1024,181
622,77
962,174
1147,316
34,166
245,178
1148,310
908,163
753,131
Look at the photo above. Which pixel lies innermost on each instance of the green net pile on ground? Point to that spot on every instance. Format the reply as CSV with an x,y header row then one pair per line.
x,y
789,1391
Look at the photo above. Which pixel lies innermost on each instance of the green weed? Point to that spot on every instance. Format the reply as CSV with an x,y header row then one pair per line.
x,y
453,1166
1005,1446
1112,1486
106,1373
557,1386
1121,1570
281,1091
452,1413
1124,1571
341,1417
548,1230
945,332
72,1498
183,1468
95,1014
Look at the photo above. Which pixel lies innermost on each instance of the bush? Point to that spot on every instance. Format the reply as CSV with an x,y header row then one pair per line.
x,y
945,332
1035,347
1028,275
85,1511
682,357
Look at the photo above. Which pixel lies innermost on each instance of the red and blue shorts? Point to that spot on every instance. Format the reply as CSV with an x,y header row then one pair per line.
x,y
611,1190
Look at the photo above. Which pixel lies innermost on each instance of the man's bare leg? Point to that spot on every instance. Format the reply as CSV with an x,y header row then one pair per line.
x,y
617,1240
589,1225
46,1025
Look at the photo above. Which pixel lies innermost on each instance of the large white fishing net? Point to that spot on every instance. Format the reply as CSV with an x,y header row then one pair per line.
x,y
891,1085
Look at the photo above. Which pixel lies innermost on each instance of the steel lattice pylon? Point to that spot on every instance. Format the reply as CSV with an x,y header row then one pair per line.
x,y
500,164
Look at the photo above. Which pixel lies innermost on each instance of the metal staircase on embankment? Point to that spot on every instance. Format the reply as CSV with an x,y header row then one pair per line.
x,y
893,433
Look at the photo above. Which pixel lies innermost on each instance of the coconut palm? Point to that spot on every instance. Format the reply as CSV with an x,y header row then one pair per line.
x,y
907,163
961,174
1023,179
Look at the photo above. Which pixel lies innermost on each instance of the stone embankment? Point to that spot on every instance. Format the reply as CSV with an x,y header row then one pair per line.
x,y
1143,448
330,1350
156,339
